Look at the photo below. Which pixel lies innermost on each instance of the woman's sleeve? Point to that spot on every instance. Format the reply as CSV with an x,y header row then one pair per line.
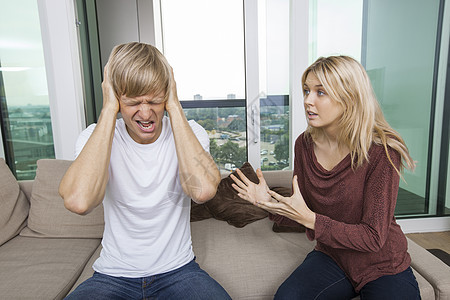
x,y
380,196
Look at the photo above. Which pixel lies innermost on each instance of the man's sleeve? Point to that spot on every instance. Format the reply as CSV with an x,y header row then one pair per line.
x,y
201,134
83,138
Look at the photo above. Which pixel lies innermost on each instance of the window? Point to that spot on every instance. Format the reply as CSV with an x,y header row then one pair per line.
x,y
203,40
404,84
403,73
222,50
207,55
25,115
335,28
274,29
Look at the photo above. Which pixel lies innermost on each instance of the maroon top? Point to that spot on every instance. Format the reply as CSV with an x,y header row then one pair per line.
x,y
355,223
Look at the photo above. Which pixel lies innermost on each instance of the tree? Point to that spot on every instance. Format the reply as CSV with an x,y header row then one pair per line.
x,y
231,153
208,124
282,148
237,125
214,150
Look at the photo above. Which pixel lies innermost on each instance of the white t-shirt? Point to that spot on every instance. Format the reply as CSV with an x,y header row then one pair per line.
x,y
147,214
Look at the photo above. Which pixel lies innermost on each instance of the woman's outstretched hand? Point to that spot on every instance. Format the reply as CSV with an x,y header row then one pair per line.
x,y
293,207
250,191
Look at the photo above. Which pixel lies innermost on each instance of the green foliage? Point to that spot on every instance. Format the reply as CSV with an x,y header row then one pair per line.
x,y
208,124
237,125
213,148
228,153
282,148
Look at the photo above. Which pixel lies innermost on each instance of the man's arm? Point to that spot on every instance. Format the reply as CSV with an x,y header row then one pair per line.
x,y
199,175
84,184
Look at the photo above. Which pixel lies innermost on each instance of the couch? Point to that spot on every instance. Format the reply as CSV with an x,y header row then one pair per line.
x,y
46,251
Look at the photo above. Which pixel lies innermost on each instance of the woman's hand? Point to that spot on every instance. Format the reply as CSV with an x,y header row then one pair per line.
x,y
250,191
293,207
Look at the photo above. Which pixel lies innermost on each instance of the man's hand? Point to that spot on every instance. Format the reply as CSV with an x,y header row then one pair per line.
x,y
110,100
172,101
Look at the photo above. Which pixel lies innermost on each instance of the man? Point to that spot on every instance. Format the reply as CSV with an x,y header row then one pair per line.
x,y
145,167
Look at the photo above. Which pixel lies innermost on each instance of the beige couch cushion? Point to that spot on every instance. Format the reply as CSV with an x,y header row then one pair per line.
x,y
252,262
33,268
48,217
88,271
249,262
13,205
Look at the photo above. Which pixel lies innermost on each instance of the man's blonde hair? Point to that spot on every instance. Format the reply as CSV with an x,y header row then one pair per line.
x,y
363,122
137,69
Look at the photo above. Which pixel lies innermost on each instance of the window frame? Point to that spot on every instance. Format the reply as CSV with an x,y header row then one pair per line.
x,y
63,69
64,76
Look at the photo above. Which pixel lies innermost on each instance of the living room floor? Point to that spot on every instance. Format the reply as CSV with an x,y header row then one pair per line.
x,y
432,240
437,243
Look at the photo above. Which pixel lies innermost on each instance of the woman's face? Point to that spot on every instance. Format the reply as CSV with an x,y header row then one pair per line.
x,y
321,111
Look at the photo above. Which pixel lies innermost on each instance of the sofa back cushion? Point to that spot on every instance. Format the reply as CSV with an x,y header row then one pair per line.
x,y
228,206
14,205
48,216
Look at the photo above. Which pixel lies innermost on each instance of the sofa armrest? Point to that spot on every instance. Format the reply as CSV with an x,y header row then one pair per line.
x,y
431,268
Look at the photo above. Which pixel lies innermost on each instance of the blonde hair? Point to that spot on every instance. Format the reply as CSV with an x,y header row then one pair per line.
x,y
137,69
363,122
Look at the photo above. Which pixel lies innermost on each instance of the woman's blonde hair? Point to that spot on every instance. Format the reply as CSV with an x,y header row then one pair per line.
x,y
137,69
363,122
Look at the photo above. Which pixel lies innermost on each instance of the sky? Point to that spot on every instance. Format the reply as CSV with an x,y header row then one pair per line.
x,y
203,41
21,53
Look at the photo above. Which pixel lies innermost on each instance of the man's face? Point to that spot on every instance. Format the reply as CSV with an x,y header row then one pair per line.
x,y
143,117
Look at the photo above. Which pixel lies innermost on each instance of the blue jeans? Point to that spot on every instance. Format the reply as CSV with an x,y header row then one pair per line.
x,y
186,282
319,277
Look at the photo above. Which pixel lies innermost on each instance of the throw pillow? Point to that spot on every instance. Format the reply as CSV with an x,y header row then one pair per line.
x,y
199,212
14,205
48,216
282,223
228,206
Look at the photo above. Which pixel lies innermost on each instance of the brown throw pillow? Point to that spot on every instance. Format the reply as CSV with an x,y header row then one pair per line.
x,y
282,223
199,212
13,205
48,216
228,206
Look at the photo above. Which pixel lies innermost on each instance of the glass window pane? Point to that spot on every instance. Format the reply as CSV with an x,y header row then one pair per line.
x,y
274,81
275,133
204,43
447,197
207,54
402,73
335,28
24,96
227,132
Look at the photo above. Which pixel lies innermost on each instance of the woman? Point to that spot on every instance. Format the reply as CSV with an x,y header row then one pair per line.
x,y
346,177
